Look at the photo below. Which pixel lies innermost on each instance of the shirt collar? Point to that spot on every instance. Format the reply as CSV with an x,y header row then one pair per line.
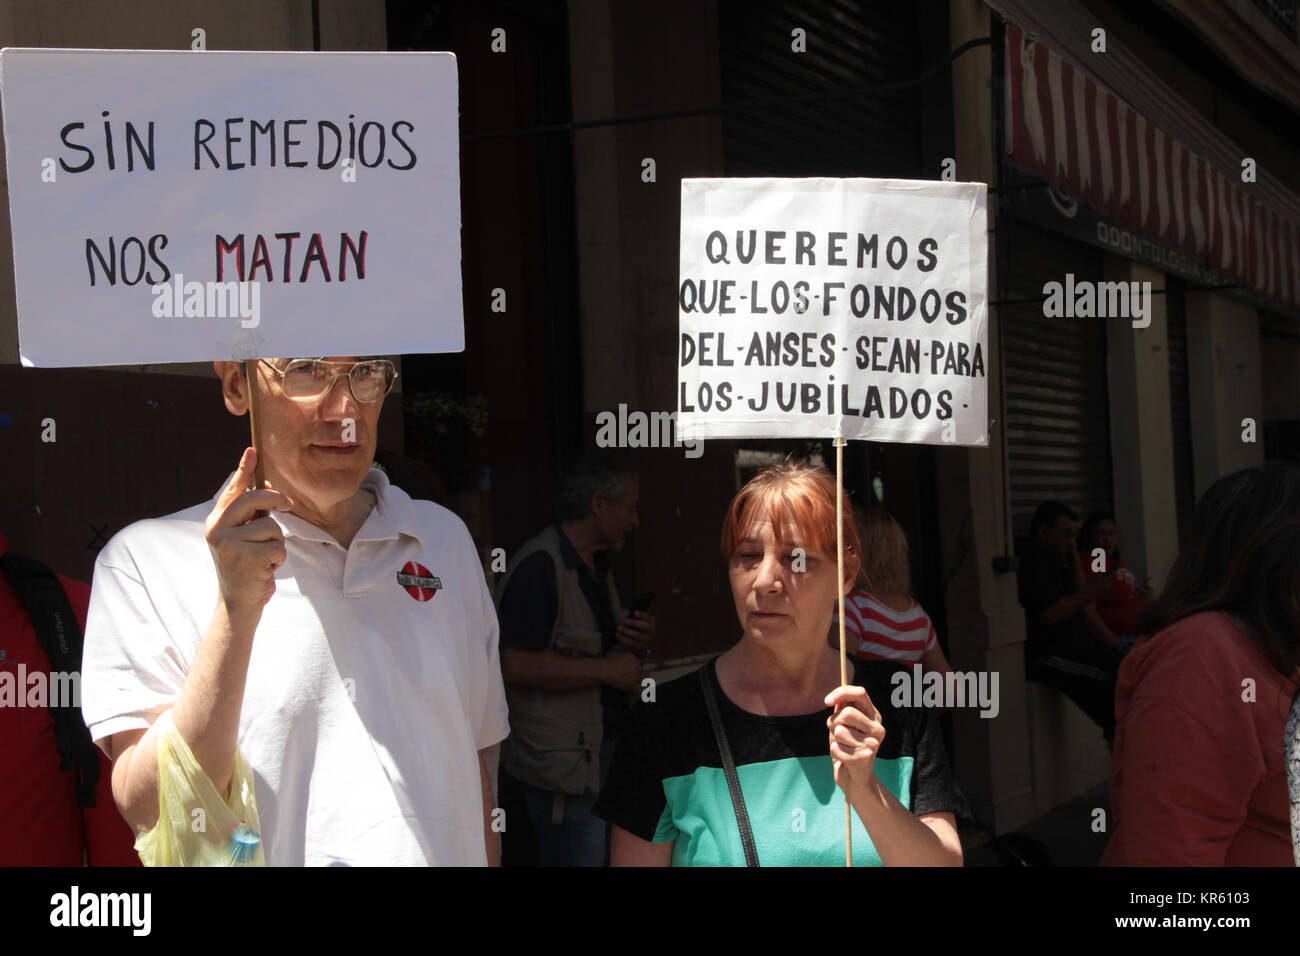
x,y
389,518
573,560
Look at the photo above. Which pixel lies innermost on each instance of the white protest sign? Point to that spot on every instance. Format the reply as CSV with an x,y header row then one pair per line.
x,y
182,206
817,308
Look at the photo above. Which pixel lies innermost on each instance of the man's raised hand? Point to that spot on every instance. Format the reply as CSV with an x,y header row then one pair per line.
x,y
247,546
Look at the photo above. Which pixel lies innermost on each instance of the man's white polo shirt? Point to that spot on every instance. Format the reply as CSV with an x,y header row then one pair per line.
x,y
371,688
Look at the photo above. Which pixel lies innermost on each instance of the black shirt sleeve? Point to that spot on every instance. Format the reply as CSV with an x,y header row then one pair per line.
x,y
915,732
934,788
530,604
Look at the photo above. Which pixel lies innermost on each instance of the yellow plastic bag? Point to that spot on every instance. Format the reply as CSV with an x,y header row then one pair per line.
x,y
196,827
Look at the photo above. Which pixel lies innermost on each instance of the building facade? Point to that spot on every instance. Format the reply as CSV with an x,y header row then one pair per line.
x,y
1122,163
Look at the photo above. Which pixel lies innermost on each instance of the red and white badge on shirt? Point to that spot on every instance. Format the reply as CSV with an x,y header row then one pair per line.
x,y
418,581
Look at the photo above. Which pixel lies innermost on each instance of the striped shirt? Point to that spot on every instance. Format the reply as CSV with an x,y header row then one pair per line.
x,y
886,634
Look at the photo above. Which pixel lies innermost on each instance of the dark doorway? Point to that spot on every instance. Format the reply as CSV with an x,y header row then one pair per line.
x,y
497,420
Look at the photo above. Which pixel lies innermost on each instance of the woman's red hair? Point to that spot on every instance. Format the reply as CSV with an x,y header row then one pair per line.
x,y
799,501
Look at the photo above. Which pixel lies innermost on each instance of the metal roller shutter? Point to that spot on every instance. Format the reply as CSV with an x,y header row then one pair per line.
x,y
1055,385
849,43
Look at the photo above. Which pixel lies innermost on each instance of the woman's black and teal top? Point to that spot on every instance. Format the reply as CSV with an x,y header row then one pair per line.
x,y
666,782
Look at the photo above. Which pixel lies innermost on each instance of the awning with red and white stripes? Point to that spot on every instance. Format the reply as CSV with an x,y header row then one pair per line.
x,y
1091,144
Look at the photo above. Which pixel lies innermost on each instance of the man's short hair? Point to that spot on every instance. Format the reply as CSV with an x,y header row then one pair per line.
x,y
1049,512
604,472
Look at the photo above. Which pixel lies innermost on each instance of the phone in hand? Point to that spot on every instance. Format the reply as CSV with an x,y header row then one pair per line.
x,y
643,602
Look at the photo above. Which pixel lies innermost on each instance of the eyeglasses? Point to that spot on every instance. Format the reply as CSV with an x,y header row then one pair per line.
x,y
305,380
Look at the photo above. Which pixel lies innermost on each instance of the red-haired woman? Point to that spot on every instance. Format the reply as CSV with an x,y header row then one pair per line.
x,y
789,731
1203,739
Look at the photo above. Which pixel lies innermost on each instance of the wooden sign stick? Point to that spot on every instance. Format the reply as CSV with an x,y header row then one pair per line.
x,y
844,656
250,370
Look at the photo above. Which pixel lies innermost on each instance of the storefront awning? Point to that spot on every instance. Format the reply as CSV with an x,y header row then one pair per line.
x,y
1064,124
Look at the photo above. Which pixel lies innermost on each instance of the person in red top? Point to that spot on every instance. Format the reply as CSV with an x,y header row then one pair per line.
x,y
1199,775
42,822
884,621
1121,605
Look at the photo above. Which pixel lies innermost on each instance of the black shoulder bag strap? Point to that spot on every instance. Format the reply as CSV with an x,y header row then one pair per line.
x,y
46,603
729,768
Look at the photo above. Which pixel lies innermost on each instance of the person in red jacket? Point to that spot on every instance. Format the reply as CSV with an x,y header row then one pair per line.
x,y
42,822
1200,769
1121,604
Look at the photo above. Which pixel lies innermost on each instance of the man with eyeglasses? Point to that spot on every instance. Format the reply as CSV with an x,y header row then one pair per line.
x,y
337,632
1067,645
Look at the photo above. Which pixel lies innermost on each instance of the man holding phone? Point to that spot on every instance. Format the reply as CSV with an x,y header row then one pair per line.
x,y
571,660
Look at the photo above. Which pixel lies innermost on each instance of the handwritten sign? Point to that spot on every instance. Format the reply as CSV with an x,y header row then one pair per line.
x,y
851,308
180,206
